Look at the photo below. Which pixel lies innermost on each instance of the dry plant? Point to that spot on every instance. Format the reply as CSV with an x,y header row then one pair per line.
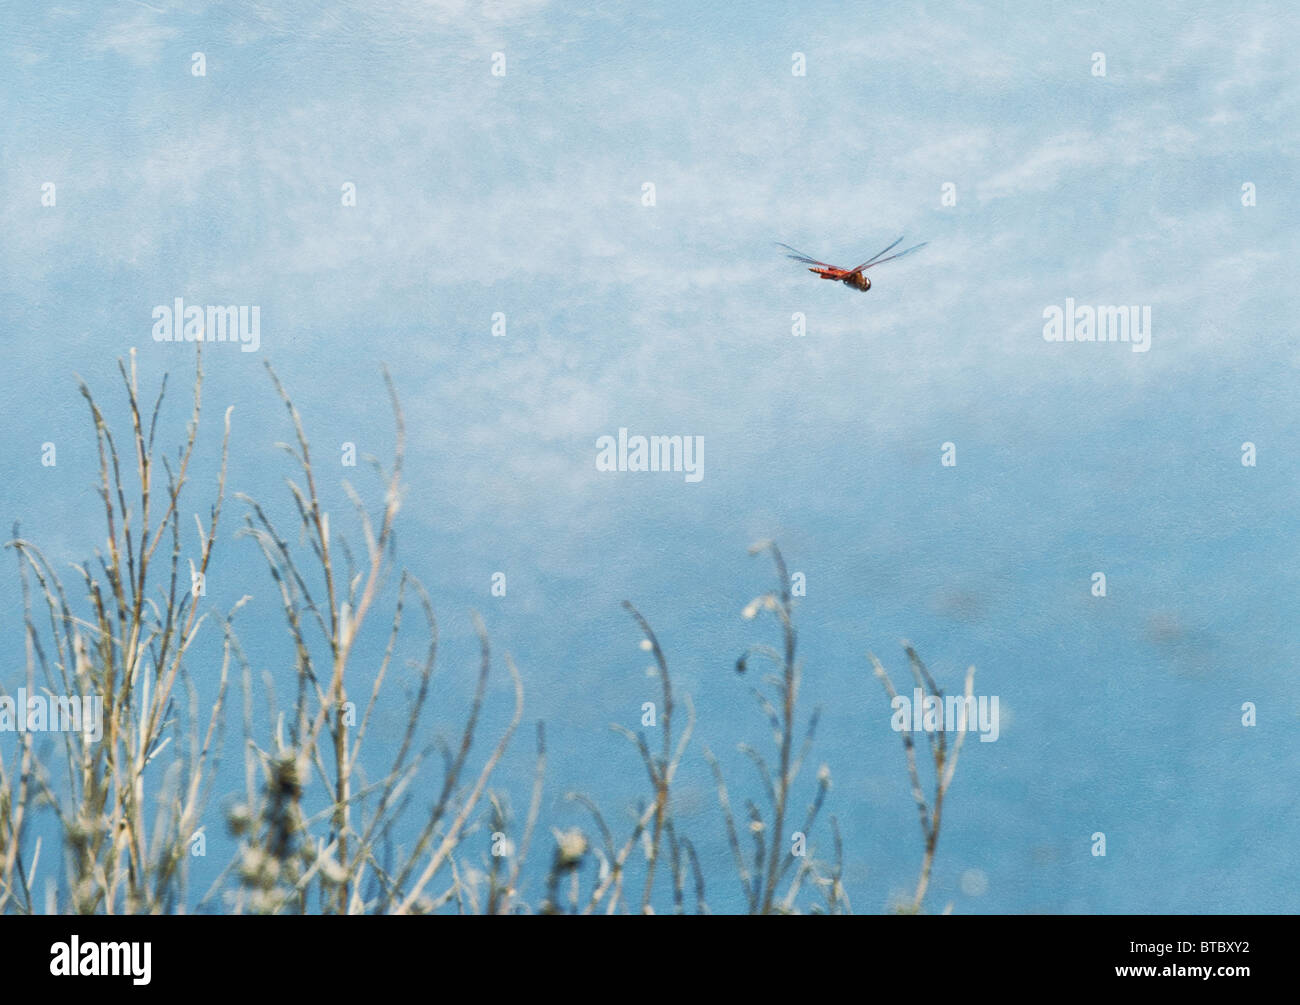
x,y
763,876
129,805
288,864
652,825
943,761
316,831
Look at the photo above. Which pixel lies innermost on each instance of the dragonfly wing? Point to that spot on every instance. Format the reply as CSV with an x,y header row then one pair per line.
x,y
882,261
799,256
872,260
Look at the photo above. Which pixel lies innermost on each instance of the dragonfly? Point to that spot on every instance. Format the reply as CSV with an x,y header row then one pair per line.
x,y
855,277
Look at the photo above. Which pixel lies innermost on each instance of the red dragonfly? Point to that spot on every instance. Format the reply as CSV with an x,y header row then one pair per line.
x,y
855,277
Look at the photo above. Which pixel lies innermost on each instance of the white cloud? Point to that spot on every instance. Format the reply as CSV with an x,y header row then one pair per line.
x,y
1043,166
139,38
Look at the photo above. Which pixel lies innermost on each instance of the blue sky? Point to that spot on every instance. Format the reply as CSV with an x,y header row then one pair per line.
x,y
522,194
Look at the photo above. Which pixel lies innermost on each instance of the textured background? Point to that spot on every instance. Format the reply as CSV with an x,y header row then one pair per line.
x,y
522,194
